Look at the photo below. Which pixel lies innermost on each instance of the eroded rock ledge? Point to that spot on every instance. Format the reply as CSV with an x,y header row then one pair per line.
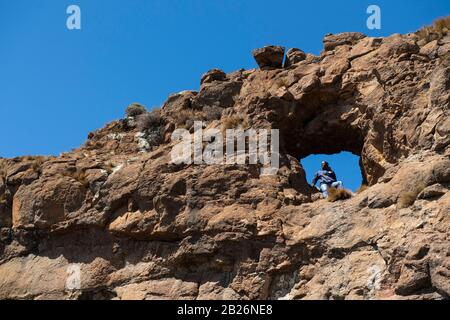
x,y
141,228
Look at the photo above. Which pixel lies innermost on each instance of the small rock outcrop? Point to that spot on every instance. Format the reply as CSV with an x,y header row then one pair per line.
x,y
269,57
132,225
294,56
213,75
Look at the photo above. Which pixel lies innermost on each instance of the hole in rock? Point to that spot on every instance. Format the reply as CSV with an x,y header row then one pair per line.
x,y
345,164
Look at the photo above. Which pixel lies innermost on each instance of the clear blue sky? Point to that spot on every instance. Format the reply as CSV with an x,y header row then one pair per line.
x,y
344,164
56,85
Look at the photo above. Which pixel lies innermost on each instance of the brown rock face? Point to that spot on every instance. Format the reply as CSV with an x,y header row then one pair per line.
x,y
116,219
294,56
269,57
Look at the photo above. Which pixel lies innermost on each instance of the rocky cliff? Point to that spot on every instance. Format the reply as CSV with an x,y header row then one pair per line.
x,y
140,227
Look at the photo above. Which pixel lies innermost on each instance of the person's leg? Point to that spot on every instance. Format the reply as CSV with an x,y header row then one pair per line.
x,y
324,189
337,185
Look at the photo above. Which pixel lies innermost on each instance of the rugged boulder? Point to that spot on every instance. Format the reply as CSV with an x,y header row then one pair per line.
x,y
269,56
116,219
294,56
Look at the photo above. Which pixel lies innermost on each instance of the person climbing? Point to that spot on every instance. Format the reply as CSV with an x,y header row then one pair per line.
x,y
327,179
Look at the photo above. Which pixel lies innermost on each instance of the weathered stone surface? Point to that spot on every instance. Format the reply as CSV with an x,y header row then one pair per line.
x,y
269,57
414,276
213,75
294,56
332,41
435,190
140,227
47,202
158,290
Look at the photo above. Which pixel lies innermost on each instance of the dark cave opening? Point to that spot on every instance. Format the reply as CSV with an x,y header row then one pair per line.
x,y
319,132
